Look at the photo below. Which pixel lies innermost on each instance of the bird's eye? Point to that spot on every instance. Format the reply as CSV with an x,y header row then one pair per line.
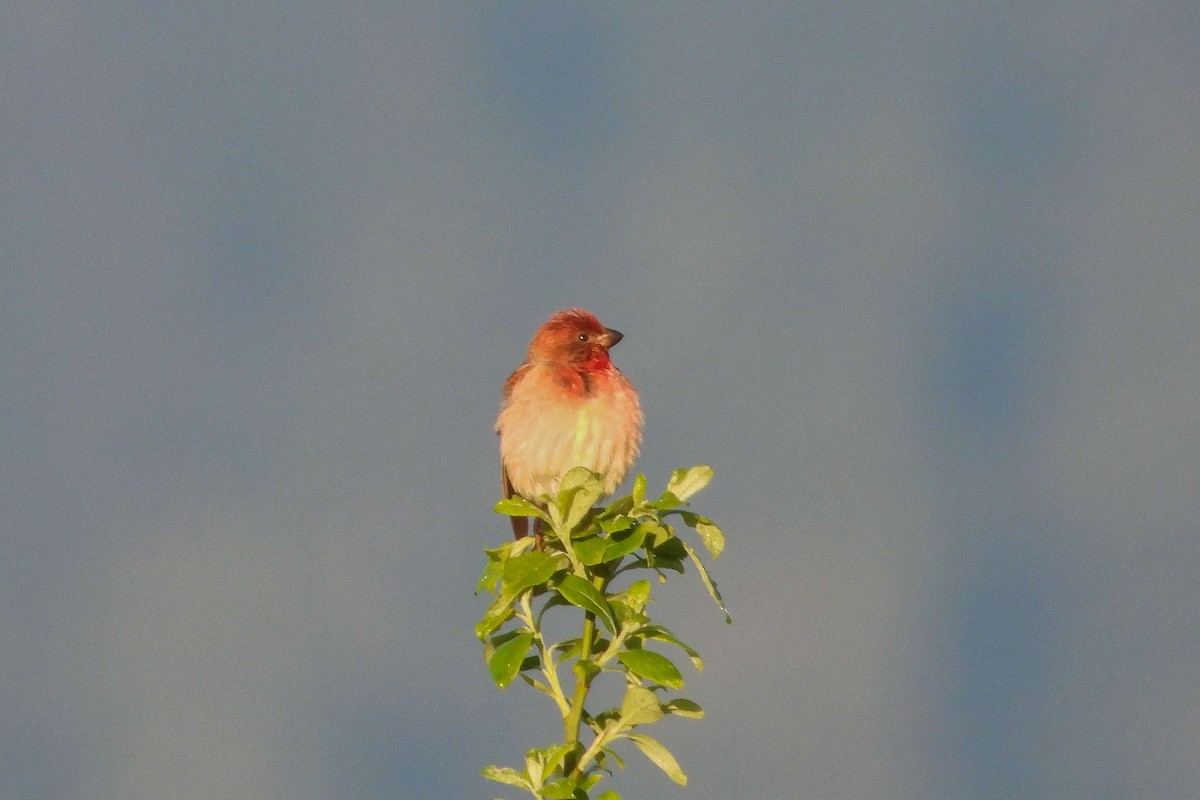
x,y
583,337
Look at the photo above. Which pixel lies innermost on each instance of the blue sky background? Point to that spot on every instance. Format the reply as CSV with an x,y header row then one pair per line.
x,y
919,280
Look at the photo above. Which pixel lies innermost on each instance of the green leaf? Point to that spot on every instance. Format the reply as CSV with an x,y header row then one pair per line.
x,y
623,543
519,507
491,644
491,574
585,668
708,582
658,754
659,564
690,518
497,557
555,754
578,492
566,649
635,597
712,537
604,721
507,775
529,569
578,592
608,794
607,753
506,660
577,477
661,634
616,524
561,789
533,767
666,502
710,534
541,687
652,666
673,564
621,505
496,615
639,489
626,617
639,707
591,549
671,547
656,531
682,707
686,482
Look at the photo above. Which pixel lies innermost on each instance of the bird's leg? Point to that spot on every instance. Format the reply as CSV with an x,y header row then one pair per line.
x,y
520,527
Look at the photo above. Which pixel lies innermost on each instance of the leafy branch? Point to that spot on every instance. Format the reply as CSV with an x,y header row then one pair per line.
x,y
586,549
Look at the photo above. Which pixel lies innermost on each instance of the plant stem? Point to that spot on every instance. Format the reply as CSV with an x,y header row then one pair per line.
x,y
583,682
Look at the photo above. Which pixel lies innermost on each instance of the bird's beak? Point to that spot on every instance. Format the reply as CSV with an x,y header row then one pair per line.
x,y
611,338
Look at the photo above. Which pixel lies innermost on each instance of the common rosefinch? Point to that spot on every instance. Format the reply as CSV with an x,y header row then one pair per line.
x,y
566,406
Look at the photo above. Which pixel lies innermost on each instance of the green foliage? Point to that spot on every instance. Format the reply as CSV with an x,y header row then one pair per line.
x,y
588,553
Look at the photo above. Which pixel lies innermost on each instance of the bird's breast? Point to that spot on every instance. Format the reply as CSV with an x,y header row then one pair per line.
x,y
546,430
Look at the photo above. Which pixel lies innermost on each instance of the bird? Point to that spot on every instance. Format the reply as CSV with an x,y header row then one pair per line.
x,y
567,405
